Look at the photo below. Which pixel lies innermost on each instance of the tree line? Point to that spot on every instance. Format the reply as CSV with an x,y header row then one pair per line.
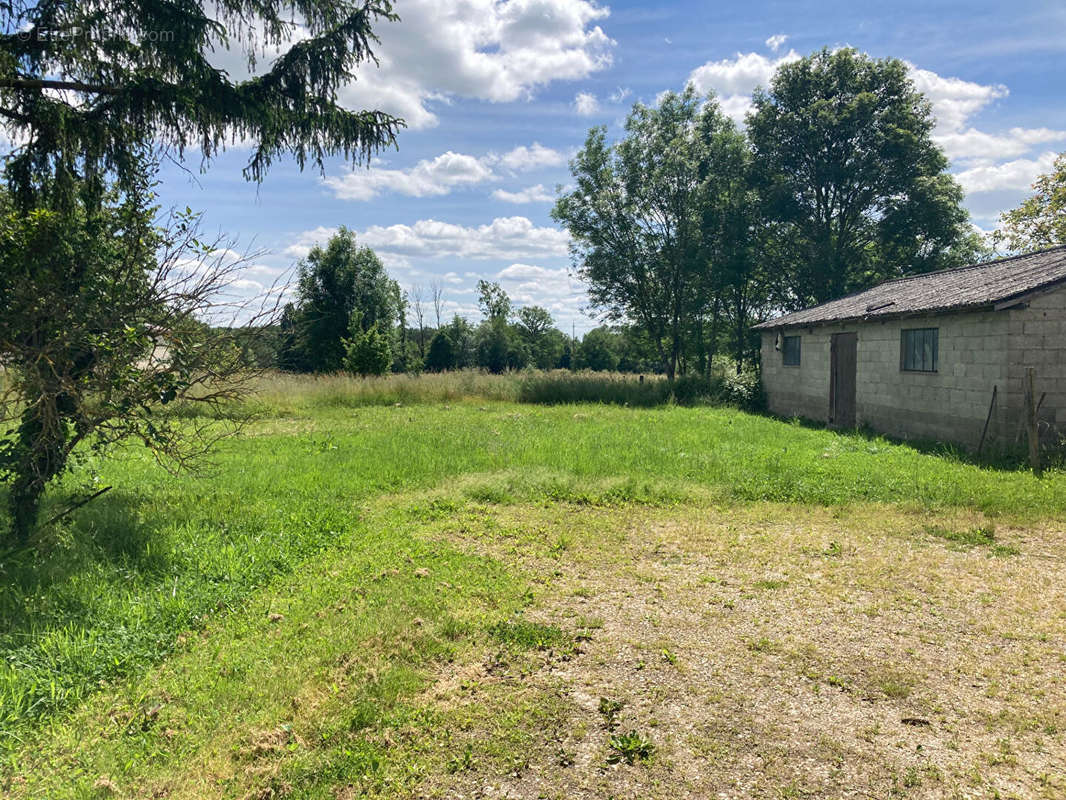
x,y
350,315
686,231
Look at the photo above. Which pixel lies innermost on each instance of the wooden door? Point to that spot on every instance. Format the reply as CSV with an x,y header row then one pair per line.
x,y
842,359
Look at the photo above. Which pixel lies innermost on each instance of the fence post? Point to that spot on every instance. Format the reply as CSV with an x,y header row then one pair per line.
x,y
1030,420
988,419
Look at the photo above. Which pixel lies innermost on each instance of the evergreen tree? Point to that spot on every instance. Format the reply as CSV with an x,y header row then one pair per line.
x,y
91,104
85,91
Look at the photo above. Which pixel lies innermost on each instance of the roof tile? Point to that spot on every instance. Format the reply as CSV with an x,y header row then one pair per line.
x,y
976,286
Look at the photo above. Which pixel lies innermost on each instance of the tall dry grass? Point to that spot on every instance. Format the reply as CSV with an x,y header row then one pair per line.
x,y
283,394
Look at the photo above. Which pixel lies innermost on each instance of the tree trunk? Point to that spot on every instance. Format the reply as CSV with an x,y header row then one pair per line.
x,y
38,454
716,317
24,506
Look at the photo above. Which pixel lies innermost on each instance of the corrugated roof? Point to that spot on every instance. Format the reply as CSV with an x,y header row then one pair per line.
x,y
976,286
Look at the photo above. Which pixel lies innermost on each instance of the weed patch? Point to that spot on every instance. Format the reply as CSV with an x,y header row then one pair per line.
x,y
629,747
531,635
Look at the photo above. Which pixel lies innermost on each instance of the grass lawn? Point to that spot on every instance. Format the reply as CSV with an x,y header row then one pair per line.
x,y
503,600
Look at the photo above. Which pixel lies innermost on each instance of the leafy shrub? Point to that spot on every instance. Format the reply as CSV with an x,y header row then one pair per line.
x,y
367,353
441,355
691,390
744,389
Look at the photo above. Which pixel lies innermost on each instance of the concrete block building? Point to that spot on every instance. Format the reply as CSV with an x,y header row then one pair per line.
x,y
921,357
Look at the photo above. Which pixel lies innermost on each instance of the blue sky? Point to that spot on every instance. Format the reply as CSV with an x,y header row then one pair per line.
x,y
499,95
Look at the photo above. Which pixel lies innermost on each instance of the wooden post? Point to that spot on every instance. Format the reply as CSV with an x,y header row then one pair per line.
x,y
1030,420
984,432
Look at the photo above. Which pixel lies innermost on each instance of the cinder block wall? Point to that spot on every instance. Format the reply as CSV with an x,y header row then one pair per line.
x,y
801,391
949,405
1038,340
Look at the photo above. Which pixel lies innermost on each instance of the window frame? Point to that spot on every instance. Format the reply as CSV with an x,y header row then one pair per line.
x,y
784,351
907,348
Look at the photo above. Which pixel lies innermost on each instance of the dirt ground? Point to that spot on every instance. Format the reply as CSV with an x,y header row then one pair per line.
x,y
770,652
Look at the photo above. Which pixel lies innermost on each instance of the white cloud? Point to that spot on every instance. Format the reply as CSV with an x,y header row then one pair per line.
x,y
981,155
264,271
525,272
504,238
775,41
438,176
303,243
427,178
483,49
620,95
1017,175
525,158
586,104
734,79
954,100
740,75
955,103
531,194
974,144
443,49
736,107
555,289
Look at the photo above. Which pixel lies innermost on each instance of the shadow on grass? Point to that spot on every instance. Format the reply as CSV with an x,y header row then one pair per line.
x,y
111,534
997,459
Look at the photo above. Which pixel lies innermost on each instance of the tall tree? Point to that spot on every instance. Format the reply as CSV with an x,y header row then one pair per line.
x,y
400,349
636,217
441,354
437,290
451,346
92,93
336,283
536,328
496,350
599,350
1040,221
534,322
418,307
87,84
493,300
732,242
852,174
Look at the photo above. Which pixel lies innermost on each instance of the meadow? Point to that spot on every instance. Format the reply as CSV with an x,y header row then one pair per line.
x,y
456,584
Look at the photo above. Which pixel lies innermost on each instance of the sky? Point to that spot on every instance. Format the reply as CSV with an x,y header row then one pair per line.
x,y
498,95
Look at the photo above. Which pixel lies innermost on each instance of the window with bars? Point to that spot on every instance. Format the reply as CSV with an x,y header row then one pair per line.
x,y
790,351
918,349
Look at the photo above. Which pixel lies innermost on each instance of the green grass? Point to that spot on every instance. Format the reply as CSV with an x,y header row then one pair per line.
x,y
119,589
